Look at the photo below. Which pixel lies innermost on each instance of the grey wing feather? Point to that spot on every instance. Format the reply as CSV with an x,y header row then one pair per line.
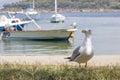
x,y
75,53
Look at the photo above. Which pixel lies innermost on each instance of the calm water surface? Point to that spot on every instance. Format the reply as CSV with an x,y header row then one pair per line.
x,y
104,25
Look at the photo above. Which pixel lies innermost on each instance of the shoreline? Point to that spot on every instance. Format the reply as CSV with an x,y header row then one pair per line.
x,y
66,10
97,60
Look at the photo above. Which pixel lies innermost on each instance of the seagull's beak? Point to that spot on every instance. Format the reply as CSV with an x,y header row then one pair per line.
x,y
83,31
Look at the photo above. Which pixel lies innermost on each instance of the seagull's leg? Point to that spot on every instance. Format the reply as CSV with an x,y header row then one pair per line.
x,y
86,64
79,65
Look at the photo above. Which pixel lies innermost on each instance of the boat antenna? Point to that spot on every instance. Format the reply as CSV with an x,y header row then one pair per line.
x,y
55,6
33,4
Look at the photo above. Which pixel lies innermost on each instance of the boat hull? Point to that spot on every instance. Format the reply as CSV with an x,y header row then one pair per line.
x,y
56,18
42,35
2,28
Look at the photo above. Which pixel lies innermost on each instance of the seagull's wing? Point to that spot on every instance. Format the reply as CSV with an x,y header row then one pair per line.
x,y
75,53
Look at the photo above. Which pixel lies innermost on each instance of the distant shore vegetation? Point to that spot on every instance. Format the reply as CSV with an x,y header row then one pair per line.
x,y
66,5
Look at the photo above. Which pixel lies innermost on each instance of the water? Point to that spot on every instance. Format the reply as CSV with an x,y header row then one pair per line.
x,y
105,28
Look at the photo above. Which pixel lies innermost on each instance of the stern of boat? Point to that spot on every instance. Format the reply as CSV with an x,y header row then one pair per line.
x,y
71,35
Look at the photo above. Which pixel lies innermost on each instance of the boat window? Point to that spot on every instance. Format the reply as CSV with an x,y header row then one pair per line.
x,y
16,20
13,21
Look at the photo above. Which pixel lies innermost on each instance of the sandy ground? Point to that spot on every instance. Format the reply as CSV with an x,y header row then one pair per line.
x,y
98,60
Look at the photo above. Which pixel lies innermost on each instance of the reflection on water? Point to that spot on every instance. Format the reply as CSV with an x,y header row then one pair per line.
x,y
34,47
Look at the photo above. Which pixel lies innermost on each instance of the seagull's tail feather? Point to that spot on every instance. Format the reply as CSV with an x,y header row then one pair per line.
x,y
67,58
70,60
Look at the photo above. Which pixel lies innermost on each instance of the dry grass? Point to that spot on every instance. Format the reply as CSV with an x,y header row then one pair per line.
x,y
60,72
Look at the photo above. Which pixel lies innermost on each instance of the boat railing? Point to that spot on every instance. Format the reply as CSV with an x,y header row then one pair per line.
x,y
33,21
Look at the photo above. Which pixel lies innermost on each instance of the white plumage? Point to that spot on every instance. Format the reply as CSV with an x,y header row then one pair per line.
x,y
83,53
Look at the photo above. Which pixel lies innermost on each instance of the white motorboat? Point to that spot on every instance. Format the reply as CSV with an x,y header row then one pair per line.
x,y
39,34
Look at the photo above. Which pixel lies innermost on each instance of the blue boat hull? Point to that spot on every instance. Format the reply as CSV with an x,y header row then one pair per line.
x,y
2,28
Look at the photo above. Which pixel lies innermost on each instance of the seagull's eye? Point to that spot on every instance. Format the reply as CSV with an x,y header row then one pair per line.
x,y
89,30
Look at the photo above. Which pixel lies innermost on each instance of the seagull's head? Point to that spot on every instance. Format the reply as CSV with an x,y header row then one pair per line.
x,y
87,32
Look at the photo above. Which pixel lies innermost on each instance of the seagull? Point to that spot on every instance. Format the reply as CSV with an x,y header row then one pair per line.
x,y
83,53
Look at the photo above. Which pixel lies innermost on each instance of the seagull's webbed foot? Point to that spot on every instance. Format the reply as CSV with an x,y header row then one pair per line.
x,y
79,65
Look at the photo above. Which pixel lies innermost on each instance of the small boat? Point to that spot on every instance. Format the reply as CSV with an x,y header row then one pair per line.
x,y
14,23
32,12
56,18
41,35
